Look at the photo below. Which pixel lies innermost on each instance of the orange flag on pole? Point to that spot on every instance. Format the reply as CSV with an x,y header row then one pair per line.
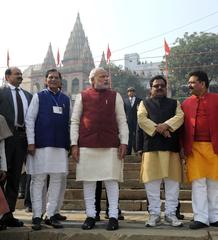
x,y
166,48
108,54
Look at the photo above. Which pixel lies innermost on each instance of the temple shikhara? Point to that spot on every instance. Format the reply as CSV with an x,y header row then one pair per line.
x,y
75,66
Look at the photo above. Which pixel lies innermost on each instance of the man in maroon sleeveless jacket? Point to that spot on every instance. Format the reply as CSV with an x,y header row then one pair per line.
x,y
99,137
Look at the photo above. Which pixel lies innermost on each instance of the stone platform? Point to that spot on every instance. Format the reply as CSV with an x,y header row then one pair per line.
x,y
132,228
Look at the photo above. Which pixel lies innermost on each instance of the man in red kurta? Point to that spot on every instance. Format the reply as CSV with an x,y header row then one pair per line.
x,y
200,142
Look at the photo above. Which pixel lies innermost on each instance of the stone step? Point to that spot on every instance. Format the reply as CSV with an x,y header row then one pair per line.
x,y
125,194
127,184
132,159
126,205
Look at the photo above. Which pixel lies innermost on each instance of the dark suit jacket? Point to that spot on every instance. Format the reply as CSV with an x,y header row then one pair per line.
x,y
7,105
131,113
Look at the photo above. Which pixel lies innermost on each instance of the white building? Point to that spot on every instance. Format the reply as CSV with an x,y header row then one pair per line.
x,y
132,63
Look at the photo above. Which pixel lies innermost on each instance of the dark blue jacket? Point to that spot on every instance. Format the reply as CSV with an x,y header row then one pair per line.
x,y
52,129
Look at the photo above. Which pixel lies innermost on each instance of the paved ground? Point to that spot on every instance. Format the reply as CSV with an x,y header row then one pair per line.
x,y
132,228
77,218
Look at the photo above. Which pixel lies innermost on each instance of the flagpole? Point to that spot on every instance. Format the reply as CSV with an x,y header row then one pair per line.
x,y
167,53
109,71
166,68
169,93
108,62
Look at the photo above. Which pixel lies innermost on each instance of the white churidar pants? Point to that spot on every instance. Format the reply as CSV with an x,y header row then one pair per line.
x,y
63,188
38,193
205,200
171,196
112,189
61,198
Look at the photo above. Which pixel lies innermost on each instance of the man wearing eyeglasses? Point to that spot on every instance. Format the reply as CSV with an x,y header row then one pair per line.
x,y
160,118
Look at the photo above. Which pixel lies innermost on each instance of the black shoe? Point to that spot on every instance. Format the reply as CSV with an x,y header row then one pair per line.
x,y
120,217
197,225
9,220
178,214
47,221
36,223
112,224
2,225
52,221
60,217
97,218
88,224
21,196
214,224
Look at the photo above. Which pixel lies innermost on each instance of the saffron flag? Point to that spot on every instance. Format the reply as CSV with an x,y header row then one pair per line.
x,y
58,57
108,54
166,48
8,59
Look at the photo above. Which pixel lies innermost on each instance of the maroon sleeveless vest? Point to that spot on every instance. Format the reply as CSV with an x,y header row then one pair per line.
x,y
98,125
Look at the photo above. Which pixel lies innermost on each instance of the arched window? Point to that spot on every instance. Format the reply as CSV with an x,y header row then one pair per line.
x,y
75,86
36,88
64,86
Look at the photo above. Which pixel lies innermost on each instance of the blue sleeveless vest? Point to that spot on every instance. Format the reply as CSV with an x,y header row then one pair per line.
x,y
52,129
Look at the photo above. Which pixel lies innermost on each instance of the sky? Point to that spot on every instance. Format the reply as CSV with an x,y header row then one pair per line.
x,y
128,26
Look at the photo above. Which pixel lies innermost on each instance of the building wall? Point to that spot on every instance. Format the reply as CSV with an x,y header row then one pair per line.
x,y
132,63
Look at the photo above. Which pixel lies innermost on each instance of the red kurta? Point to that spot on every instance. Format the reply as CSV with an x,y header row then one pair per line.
x,y
190,106
200,136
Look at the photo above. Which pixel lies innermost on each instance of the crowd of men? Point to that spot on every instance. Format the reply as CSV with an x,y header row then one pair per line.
x,y
41,131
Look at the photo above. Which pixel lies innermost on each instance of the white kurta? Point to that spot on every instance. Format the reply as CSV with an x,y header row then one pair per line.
x,y
99,163
48,159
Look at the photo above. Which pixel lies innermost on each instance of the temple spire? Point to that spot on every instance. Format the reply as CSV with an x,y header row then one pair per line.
x,y
49,60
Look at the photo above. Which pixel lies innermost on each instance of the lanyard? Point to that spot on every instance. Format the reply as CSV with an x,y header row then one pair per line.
x,y
53,98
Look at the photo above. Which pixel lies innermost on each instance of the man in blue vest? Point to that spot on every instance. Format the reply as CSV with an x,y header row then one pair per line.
x,y
47,124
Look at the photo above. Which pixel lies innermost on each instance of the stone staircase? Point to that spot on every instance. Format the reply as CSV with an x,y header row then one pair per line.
x,y
132,193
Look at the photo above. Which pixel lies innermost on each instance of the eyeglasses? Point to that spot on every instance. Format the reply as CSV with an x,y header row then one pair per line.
x,y
159,85
52,77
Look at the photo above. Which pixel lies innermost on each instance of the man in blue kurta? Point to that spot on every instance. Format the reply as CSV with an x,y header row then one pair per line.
x,y
47,124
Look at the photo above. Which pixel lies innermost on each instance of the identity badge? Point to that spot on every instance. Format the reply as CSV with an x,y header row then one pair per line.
x,y
57,109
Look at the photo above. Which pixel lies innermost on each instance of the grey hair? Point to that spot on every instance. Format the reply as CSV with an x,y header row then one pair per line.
x,y
93,72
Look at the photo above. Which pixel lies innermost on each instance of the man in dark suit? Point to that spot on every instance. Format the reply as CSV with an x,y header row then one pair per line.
x,y
14,102
131,103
